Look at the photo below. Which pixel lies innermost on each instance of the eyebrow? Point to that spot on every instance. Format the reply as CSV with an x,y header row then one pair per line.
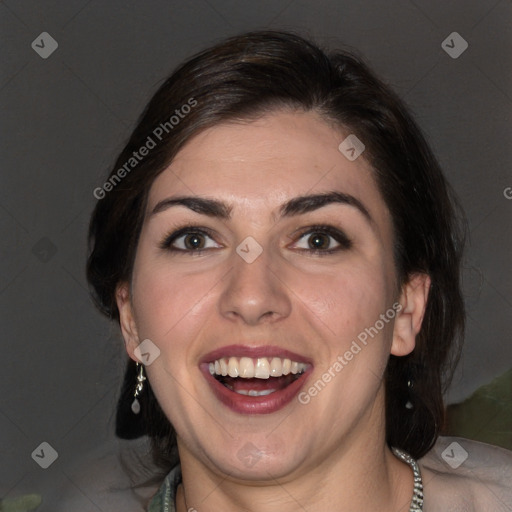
x,y
210,207
296,206
305,204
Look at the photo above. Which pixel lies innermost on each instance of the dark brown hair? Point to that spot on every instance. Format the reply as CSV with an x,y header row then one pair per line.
x,y
245,77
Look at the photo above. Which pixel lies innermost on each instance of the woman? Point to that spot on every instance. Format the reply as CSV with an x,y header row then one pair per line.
x,y
282,253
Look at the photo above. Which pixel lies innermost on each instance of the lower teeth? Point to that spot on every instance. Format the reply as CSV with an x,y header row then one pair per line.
x,y
252,392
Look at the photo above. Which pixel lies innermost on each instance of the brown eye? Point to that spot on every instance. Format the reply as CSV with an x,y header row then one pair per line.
x,y
322,240
189,240
319,241
194,241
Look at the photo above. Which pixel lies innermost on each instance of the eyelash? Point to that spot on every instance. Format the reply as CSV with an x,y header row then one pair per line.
x,y
341,238
167,242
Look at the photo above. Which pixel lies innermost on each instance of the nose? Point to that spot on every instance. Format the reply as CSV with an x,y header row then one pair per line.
x,y
254,293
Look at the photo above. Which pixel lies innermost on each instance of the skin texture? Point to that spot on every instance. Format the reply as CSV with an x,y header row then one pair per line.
x,y
329,454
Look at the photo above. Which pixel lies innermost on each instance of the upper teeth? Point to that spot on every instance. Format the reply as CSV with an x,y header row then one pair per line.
x,y
261,368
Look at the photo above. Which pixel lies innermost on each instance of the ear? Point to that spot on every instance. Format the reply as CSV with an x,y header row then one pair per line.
x,y
126,319
410,317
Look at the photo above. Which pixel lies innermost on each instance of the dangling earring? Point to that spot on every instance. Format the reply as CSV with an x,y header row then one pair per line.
x,y
408,404
138,388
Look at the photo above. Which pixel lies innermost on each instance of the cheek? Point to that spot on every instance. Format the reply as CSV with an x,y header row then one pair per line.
x,y
349,299
171,308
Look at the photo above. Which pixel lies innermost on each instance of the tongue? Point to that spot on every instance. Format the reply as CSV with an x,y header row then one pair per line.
x,y
239,384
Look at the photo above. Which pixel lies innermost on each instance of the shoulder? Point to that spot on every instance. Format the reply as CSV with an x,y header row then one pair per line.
x,y
460,475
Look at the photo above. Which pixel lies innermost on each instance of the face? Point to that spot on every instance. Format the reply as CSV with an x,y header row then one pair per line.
x,y
264,274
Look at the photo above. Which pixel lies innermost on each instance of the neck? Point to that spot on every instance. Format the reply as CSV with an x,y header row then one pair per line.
x,y
361,474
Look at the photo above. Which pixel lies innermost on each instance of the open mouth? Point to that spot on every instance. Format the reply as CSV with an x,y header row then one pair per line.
x,y
256,385
256,377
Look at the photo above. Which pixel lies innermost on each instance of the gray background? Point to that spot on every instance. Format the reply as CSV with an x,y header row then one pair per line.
x,y
65,118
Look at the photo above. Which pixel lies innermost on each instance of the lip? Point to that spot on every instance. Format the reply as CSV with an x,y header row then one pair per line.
x,y
244,404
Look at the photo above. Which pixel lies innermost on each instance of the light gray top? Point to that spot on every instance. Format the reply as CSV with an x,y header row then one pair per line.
x,y
458,475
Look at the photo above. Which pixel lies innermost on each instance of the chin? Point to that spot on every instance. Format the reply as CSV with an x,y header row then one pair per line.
x,y
258,458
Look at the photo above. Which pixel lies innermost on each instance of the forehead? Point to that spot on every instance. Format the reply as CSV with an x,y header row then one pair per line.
x,y
262,163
